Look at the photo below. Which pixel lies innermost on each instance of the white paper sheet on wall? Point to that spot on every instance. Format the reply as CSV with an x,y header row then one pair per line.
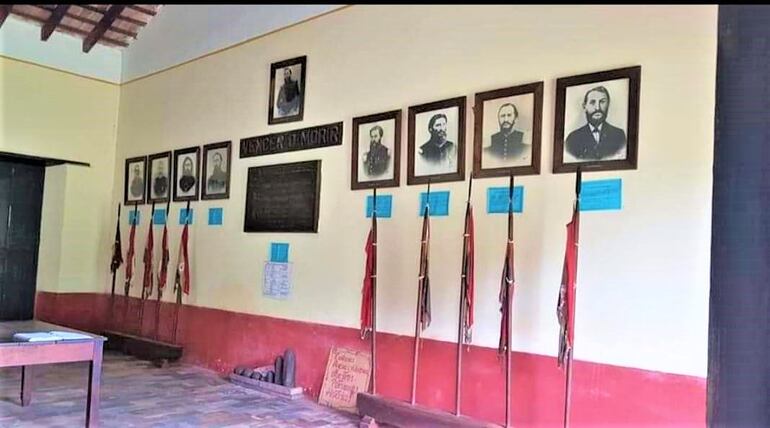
x,y
277,281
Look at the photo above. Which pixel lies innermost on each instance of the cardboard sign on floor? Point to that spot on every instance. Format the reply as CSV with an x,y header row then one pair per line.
x,y
347,374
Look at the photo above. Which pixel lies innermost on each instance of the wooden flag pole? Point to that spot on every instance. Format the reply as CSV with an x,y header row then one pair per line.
x,y
160,292
179,288
509,308
568,377
374,291
144,291
127,286
463,304
420,298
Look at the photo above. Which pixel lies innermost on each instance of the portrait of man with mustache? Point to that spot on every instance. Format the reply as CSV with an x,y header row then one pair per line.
x,y
597,139
438,149
508,143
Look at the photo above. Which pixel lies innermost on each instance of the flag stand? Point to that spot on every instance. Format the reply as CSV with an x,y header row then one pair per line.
x,y
422,297
466,281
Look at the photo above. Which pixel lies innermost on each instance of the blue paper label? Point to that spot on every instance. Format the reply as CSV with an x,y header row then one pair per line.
x,y
497,199
279,252
384,206
598,195
215,216
134,217
159,217
439,203
184,216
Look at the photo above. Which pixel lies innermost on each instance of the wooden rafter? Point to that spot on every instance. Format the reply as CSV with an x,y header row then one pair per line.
x,y
69,28
104,24
143,10
120,18
76,17
53,21
5,10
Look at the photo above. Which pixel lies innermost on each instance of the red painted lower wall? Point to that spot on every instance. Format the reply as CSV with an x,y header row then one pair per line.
x,y
602,394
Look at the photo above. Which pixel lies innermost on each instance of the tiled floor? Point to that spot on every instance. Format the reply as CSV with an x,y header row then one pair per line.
x,y
137,394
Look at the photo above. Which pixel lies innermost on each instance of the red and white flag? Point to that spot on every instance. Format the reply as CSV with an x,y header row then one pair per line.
x,y
182,278
164,260
367,290
130,256
565,309
148,249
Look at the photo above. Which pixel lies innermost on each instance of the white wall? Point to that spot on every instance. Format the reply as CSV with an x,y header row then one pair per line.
x,y
21,40
180,32
644,270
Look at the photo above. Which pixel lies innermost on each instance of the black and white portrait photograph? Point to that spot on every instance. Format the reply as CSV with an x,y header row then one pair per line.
x,y
134,181
287,90
216,171
507,124
597,118
159,182
376,150
186,170
436,146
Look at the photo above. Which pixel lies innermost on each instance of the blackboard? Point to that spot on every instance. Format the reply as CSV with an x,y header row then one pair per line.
x,y
283,198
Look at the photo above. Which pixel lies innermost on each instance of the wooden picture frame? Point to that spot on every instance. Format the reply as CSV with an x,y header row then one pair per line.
x,y
499,152
386,162
210,183
285,110
436,164
155,183
131,188
615,144
187,186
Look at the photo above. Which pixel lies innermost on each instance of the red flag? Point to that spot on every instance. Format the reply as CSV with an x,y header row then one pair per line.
x,y
117,252
468,281
164,260
367,290
182,279
130,256
566,306
423,279
507,280
147,280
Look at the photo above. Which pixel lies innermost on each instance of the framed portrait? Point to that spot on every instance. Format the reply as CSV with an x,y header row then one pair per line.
x,y
597,121
507,124
216,171
134,181
159,178
186,174
376,153
436,142
287,90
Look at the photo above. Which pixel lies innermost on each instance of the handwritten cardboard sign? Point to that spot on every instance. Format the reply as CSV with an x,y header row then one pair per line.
x,y
347,374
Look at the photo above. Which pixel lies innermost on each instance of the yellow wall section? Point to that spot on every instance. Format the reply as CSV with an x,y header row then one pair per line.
x,y
643,285
48,113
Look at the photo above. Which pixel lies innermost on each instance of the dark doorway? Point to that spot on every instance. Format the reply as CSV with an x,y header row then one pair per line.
x,y
21,200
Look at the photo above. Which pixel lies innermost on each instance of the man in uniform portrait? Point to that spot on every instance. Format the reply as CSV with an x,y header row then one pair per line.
x,y
187,181
438,149
289,95
597,139
137,183
377,159
160,183
507,143
218,179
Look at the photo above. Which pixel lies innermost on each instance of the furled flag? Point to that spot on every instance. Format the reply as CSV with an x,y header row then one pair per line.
x,y
367,291
468,282
423,279
147,280
182,278
565,309
507,280
130,255
164,260
117,252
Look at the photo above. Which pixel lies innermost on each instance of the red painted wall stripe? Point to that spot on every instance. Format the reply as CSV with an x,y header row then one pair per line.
x,y
217,339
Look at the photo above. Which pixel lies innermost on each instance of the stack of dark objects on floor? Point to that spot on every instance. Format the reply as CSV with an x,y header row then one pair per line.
x,y
278,378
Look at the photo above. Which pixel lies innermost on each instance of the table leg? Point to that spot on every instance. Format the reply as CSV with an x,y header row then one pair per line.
x,y
94,383
26,385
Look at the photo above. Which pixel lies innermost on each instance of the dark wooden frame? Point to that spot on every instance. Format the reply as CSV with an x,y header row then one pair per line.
x,y
536,89
633,74
357,122
148,191
214,146
177,153
458,175
271,119
128,162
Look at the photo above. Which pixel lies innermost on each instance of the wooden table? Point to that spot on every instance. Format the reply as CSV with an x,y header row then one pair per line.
x,y
27,354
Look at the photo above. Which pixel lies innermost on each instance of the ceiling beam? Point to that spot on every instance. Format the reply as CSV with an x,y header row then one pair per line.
x,y
5,10
104,24
90,21
73,30
143,10
53,21
120,18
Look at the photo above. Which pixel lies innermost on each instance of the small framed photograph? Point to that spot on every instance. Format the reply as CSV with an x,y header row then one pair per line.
x,y
436,142
134,180
159,180
287,90
507,124
216,171
597,121
376,153
186,174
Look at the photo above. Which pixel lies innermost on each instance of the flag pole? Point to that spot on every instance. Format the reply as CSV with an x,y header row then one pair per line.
x,y
420,296
164,244
571,318
179,287
144,286
374,290
509,309
129,266
114,274
461,331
